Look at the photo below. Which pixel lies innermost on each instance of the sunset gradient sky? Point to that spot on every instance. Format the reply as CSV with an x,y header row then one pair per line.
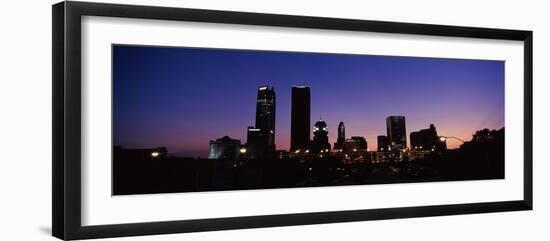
x,y
181,98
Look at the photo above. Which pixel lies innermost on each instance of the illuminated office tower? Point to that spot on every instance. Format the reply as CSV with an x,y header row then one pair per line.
x,y
396,129
265,121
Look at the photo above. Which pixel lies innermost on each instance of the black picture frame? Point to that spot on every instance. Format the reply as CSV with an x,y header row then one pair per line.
x,y
66,169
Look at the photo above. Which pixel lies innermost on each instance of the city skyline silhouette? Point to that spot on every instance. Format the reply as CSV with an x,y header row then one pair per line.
x,y
182,98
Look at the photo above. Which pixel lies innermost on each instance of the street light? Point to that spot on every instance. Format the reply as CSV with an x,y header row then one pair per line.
x,y
444,138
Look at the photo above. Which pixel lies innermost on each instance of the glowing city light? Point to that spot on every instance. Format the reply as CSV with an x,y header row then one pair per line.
x,y
243,150
155,154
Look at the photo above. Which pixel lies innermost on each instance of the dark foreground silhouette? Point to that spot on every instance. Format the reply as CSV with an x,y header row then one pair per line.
x,y
141,172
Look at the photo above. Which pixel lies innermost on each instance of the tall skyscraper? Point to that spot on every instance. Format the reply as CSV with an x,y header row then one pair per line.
x,y
300,118
265,121
396,129
320,137
341,136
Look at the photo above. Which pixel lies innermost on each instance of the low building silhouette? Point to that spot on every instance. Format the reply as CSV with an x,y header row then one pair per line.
x,y
487,135
355,144
224,148
282,154
141,154
427,139
383,143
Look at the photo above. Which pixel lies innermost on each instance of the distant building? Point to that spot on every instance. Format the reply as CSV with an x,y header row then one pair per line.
x,y
320,138
341,137
356,144
300,118
254,143
141,154
383,143
224,148
265,122
486,139
427,139
281,154
397,134
487,135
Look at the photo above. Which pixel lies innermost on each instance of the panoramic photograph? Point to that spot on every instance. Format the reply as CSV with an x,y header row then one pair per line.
x,y
206,119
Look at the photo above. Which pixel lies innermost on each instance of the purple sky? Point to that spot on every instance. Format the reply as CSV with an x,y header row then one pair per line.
x,y
183,97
